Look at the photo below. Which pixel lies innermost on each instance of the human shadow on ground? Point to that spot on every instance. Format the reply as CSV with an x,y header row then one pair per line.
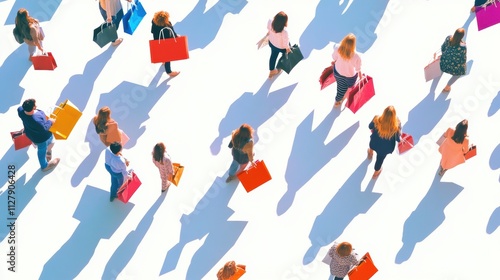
x,y
428,216
41,10
124,253
12,72
253,109
494,221
209,217
12,157
99,219
349,202
130,105
495,105
310,153
209,21
360,18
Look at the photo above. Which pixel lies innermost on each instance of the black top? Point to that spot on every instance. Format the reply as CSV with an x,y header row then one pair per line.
x,y
155,29
381,145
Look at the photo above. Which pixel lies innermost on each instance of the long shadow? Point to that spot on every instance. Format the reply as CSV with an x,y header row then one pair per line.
x,y
127,249
130,105
467,24
428,216
12,72
494,221
210,21
310,153
425,116
41,10
243,110
12,157
495,158
210,216
495,105
360,18
347,204
80,86
99,219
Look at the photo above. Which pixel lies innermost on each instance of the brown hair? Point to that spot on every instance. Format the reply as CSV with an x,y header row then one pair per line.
x,y
241,135
158,152
227,271
101,119
387,124
347,46
344,249
457,37
23,21
162,18
279,22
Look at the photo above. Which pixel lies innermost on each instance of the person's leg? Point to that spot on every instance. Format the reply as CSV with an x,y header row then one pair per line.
x,y
378,164
342,86
338,278
452,80
232,170
42,152
274,56
118,18
31,50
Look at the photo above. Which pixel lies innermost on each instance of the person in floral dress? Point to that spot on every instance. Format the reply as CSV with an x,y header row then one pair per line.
x,y
454,57
162,160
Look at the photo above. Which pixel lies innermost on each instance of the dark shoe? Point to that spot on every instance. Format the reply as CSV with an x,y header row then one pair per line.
x,y
52,164
48,155
111,198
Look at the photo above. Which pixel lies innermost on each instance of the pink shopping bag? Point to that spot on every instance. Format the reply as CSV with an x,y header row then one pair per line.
x,y
360,93
433,70
488,16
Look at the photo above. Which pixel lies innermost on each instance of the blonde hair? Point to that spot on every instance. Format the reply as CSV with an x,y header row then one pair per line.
x,y
387,124
347,46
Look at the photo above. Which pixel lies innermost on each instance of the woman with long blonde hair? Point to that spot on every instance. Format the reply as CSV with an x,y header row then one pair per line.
x,y
29,28
346,66
386,131
231,271
106,127
162,160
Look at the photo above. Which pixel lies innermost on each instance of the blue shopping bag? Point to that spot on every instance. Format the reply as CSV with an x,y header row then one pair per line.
x,y
133,17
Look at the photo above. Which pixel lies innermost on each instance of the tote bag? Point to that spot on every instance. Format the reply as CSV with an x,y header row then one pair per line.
x,y
66,116
289,60
364,270
488,15
128,188
327,78
433,69
20,139
360,93
168,49
44,61
254,176
133,17
104,34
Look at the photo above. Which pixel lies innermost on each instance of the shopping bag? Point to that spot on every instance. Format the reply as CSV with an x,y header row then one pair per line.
x,y
20,139
105,34
433,69
471,152
125,138
487,16
178,170
128,188
405,144
254,176
263,42
364,270
44,61
168,49
327,78
288,61
133,17
66,116
360,93
327,259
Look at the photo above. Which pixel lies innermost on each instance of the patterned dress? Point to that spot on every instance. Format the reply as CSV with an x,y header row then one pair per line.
x,y
166,171
340,266
453,58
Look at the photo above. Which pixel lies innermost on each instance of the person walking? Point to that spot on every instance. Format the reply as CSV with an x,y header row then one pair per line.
x,y
231,271
278,40
346,66
343,259
29,28
161,21
386,131
116,165
241,149
454,147
106,127
162,160
112,12
36,126
453,57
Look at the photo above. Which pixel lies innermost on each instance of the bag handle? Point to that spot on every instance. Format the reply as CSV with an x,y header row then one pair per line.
x,y
133,4
107,23
163,35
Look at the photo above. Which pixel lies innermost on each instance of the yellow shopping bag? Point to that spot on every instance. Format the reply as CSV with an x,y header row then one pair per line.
x,y
66,115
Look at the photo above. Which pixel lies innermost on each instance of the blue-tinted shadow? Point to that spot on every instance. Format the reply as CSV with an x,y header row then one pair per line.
x,y
124,253
428,216
41,10
12,157
254,109
331,24
495,105
495,158
99,219
12,72
347,204
310,153
467,24
130,105
494,221
201,27
210,216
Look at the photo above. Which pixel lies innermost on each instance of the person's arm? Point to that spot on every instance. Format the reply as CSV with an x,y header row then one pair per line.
x,y
248,149
286,40
357,66
465,145
107,8
42,119
34,33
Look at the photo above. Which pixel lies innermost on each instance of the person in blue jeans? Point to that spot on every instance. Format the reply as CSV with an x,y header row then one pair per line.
x,y
241,149
36,126
112,12
116,165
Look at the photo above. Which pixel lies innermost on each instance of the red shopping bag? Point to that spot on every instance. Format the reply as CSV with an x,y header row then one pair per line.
x,y
168,49
471,152
406,143
254,176
360,93
128,188
327,78
44,61
20,139
488,15
364,270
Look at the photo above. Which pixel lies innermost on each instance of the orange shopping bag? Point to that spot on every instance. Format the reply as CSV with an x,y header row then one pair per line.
x,y
254,176
66,115
364,270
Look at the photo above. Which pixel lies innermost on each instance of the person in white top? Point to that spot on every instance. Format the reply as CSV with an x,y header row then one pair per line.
x,y
112,12
278,40
116,165
346,66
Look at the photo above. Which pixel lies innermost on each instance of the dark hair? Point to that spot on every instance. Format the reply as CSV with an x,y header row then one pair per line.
x,y
460,132
279,22
241,135
29,104
115,147
457,37
158,152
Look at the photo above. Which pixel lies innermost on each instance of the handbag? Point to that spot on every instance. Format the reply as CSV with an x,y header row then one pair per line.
x,y
255,176
128,188
327,259
125,138
360,93
364,270
487,15
18,36
66,116
20,139
168,49
433,69
471,152
176,176
327,78
288,61
263,42
104,34
44,61
405,144
133,17
440,140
